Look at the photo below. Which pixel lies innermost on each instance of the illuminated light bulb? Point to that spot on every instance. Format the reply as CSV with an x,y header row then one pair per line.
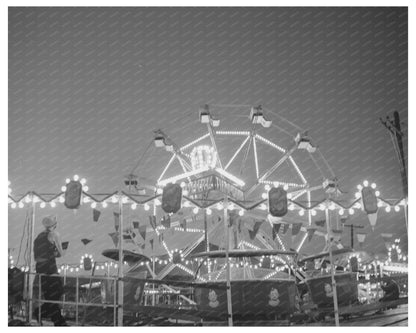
x,y
351,211
379,204
301,212
377,193
231,206
359,187
276,184
341,212
357,195
83,181
13,205
63,188
209,211
186,204
263,206
373,186
289,195
146,206
322,207
357,205
388,209
267,187
220,206
104,204
264,195
61,199
365,183
53,204
67,180
124,200
157,202
313,212
76,177
86,200
291,207
134,206
159,191
42,205
21,205
93,205
396,208
27,199
331,206
195,210
241,212
286,187
185,192
85,188
113,199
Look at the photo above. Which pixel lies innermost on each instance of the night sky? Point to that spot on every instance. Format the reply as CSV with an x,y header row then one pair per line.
x,y
87,87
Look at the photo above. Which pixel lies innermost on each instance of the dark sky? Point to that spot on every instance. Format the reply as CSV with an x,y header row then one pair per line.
x,y
87,86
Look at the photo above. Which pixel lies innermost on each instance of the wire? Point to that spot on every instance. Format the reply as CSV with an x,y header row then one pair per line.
x,y
141,157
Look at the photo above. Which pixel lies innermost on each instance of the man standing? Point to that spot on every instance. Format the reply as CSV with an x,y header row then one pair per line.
x,y
47,246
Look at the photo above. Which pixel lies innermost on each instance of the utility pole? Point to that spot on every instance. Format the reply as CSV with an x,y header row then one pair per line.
x,y
352,226
396,134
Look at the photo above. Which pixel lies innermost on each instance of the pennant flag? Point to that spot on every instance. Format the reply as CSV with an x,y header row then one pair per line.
x,y
183,224
373,219
151,243
296,228
95,215
336,233
387,240
142,232
135,224
361,238
256,227
114,237
285,228
166,222
152,220
320,223
233,218
85,241
275,230
116,220
127,238
311,231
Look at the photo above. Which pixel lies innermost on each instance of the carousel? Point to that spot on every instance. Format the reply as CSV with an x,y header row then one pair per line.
x,y
222,232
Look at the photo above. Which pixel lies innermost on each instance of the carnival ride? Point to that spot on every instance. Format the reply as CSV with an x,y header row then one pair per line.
x,y
222,244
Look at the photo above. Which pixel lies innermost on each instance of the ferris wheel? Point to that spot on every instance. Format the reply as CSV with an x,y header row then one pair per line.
x,y
240,156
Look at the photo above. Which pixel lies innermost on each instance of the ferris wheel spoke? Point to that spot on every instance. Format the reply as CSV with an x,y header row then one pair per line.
x,y
237,152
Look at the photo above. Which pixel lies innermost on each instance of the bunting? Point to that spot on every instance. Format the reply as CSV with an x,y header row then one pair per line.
x,y
114,237
166,221
85,241
311,231
183,224
135,224
116,220
361,238
373,219
152,220
296,228
142,231
285,228
95,215
275,230
256,227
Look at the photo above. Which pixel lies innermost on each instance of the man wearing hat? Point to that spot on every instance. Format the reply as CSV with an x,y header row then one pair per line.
x,y
47,246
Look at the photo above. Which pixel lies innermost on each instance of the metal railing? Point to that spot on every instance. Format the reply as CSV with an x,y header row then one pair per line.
x,y
78,299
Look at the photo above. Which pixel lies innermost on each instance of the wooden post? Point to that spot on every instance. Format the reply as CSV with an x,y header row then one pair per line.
x,y
334,285
120,262
31,277
227,245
